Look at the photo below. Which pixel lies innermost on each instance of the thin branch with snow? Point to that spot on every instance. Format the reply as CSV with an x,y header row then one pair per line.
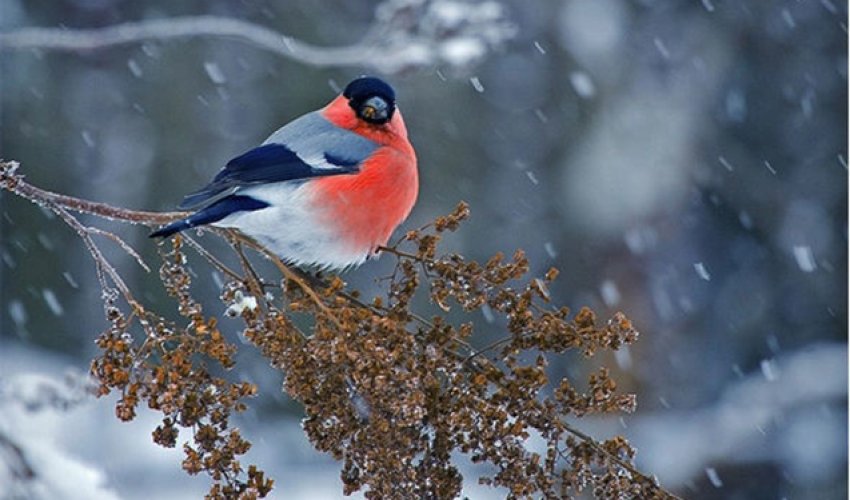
x,y
406,33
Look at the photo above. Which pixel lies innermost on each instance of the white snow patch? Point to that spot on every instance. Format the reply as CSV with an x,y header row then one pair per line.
x,y
462,51
240,303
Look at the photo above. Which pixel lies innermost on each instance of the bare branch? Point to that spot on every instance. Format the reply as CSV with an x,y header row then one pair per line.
x,y
103,265
121,243
14,182
180,27
405,34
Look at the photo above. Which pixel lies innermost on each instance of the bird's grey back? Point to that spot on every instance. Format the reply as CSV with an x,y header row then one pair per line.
x,y
315,139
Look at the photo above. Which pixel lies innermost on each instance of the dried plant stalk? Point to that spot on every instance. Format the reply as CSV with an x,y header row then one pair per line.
x,y
393,395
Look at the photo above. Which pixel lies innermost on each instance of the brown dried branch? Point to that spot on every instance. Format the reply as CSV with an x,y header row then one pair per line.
x,y
391,394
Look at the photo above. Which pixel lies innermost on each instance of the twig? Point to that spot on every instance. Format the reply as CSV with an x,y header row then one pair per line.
x,y
593,443
103,265
212,259
14,182
123,244
19,467
289,274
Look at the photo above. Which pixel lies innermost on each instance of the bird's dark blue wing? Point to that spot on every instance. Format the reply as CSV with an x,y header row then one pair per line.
x,y
307,147
265,164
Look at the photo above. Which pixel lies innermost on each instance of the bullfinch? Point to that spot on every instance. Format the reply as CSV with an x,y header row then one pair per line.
x,y
325,190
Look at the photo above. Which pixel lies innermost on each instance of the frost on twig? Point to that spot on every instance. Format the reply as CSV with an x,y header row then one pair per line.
x,y
405,34
395,396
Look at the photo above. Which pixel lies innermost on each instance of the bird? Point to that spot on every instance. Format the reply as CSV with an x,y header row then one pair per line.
x,y
326,190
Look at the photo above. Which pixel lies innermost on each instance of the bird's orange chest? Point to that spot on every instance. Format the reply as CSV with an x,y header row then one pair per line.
x,y
366,207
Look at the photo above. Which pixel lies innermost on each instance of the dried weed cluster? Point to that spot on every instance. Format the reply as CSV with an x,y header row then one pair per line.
x,y
395,396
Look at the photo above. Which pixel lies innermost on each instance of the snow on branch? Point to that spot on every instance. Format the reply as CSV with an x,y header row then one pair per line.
x,y
405,34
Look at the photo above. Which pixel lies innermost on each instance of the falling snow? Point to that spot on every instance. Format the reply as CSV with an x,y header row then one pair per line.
x,y
702,271
539,47
768,369
134,67
633,141
214,73
713,477
52,302
17,312
582,84
489,317
788,18
805,259
623,357
662,49
87,138
745,219
769,167
476,84
69,278
610,293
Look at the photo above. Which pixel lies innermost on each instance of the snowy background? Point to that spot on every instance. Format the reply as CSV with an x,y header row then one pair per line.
x,y
682,161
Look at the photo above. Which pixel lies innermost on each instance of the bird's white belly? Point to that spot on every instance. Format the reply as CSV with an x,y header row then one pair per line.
x,y
290,227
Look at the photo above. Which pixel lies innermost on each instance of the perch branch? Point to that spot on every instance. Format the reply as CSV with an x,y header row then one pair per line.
x,y
14,182
62,205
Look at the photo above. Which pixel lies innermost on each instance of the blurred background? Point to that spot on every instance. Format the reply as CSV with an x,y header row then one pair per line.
x,y
683,162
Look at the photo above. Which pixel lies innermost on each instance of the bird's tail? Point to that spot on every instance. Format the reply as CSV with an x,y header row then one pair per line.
x,y
210,214
174,227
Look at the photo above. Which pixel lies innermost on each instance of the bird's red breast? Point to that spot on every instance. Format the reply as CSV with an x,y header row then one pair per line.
x,y
365,208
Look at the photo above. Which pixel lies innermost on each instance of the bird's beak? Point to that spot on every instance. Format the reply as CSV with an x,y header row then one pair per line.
x,y
375,109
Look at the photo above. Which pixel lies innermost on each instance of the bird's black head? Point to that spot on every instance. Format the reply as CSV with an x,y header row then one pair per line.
x,y
371,98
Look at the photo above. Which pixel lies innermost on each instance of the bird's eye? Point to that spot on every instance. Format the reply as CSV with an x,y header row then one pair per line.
x,y
374,110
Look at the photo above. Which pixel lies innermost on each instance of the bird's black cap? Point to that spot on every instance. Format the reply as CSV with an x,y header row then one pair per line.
x,y
372,99
365,87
